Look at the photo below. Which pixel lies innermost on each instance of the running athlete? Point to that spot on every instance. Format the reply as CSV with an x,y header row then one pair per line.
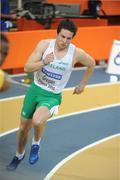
x,y
52,62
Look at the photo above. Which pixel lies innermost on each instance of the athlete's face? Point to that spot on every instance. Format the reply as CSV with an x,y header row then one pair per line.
x,y
64,38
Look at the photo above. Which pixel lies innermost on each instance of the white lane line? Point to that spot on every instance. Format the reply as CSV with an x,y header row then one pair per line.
x,y
61,163
95,85
67,115
74,69
68,89
20,83
9,132
85,111
18,75
12,98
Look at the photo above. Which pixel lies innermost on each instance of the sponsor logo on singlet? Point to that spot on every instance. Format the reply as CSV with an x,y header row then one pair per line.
x,y
51,74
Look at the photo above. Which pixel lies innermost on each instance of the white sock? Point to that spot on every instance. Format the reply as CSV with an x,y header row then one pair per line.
x,y
20,156
36,142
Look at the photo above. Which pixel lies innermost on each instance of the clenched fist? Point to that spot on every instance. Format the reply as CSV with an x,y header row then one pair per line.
x,y
48,59
79,89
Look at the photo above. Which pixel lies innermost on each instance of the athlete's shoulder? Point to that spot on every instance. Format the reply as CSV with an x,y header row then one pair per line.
x,y
79,55
43,44
73,45
79,52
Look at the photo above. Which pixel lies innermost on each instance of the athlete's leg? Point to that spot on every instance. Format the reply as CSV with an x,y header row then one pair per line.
x,y
28,109
23,135
39,130
22,141
40,117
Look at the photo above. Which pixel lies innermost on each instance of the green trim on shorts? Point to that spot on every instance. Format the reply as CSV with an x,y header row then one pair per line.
x,y
36,97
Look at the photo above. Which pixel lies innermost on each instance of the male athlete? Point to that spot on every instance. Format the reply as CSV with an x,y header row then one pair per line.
x,y
52,62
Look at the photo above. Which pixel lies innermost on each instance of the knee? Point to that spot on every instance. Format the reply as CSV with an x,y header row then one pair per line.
x,y
24,128
21,130
36,121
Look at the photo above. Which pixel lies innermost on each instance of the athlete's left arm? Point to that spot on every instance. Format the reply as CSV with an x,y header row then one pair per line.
x,y
86,60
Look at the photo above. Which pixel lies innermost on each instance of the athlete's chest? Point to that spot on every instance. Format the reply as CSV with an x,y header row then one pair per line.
x,y
59,65
60,54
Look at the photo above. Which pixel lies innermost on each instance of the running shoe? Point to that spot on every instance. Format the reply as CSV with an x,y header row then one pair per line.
x,y
34,154
14,163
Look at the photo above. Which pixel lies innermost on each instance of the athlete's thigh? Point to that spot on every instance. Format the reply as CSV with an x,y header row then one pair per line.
x,y
41,115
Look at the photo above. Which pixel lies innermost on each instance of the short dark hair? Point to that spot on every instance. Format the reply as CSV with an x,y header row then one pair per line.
x,y
68,25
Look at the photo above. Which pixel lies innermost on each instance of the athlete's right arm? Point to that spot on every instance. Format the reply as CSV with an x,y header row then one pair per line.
x,y
35,62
